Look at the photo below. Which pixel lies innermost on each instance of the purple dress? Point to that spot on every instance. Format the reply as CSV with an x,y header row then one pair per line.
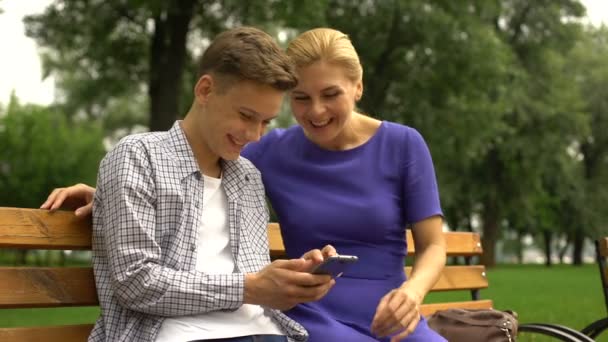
x,y
360,201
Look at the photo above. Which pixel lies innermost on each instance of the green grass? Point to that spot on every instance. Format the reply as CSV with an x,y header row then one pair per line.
x,y
566,295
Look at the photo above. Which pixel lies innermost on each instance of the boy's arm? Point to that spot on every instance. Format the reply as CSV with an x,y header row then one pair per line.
x,y
125,223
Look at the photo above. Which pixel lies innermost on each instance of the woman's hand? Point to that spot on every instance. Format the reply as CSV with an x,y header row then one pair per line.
x,y
398,312
77,197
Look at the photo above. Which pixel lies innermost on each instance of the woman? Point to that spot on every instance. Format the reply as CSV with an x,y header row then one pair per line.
x,y
346,179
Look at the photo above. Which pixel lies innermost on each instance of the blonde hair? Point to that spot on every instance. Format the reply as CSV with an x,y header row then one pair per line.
x,y
328,45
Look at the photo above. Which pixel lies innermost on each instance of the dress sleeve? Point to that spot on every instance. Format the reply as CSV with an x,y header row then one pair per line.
x,y
124,231
420,191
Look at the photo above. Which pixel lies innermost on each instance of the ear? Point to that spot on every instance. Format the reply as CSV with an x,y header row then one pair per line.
x,y
359,91
203,88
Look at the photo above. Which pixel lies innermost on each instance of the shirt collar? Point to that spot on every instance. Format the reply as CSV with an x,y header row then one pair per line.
x,y
234,174
183,152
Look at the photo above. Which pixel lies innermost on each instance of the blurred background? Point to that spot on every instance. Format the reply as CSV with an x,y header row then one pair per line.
x,y
510,95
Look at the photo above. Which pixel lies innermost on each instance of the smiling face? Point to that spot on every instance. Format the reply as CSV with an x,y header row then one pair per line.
x,y
324,101
232,117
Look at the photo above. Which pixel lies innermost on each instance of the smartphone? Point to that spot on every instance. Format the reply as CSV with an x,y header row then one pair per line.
x,y
335,265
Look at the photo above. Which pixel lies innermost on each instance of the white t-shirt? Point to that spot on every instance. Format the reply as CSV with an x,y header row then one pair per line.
x,y
215,257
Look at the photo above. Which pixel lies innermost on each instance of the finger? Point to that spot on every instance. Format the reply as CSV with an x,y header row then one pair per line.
x,y
50,199
328,251
380,312
85,210
407,331
289,264
315,255
399,321
312,293
395,310
59,199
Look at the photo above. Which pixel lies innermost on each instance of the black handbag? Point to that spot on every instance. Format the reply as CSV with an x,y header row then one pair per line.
x,y
484,325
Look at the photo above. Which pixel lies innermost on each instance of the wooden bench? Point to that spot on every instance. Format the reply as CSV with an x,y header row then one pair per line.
x,y
454,278
38,287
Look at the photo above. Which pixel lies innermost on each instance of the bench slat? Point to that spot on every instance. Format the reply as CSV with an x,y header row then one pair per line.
x,y
64,333
41,229
458,243
455,278
29,287
429,309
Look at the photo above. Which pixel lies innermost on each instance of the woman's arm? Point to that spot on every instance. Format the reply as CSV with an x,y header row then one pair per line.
x,y
430,256
399,310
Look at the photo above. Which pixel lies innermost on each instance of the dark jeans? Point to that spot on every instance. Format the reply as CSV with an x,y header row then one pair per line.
x,y
254,338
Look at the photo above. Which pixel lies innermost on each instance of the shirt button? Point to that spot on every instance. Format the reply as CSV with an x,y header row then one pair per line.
x,y
193,247
197,204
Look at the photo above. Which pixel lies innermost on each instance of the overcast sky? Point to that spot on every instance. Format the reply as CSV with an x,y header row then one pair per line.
x,y
20,66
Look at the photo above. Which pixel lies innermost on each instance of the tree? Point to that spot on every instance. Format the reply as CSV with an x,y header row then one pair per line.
x,y
41,151
589,66
512,170
487,83
103,50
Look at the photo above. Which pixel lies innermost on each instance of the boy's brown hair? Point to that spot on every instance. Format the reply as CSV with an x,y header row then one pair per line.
x,y
248,53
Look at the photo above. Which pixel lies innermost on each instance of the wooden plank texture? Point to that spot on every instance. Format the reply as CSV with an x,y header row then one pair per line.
x,y
455,278
277,249
429,309
52,287
42,229
458,243
28,287
64,333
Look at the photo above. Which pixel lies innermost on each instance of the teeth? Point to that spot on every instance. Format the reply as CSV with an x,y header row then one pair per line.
x,y
320,123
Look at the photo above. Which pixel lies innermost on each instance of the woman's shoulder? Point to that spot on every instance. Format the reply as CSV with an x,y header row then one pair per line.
x,y
401,131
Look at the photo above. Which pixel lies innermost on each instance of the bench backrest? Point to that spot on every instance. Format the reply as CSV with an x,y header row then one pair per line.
x,y
454,278
35,287
38,287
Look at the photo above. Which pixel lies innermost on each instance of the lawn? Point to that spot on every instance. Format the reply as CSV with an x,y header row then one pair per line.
x,y
561,294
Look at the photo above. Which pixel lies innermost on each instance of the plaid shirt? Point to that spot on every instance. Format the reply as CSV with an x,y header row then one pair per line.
x,y
146,211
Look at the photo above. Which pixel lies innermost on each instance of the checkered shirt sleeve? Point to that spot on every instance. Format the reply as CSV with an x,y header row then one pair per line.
x,y
128,230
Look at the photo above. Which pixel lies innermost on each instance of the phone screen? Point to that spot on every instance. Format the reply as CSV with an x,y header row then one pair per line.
x,y
335,265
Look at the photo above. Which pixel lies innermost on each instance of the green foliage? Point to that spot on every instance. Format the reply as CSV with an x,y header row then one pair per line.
x,y
41,151
507,93
588,65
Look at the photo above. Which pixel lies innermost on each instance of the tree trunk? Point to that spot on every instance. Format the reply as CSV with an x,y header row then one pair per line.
x,y
547,238
562,251
490,234
520,247
167,60
578,244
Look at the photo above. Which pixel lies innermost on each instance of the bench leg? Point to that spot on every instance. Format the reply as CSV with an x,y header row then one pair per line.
x,y
596,328
560,332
